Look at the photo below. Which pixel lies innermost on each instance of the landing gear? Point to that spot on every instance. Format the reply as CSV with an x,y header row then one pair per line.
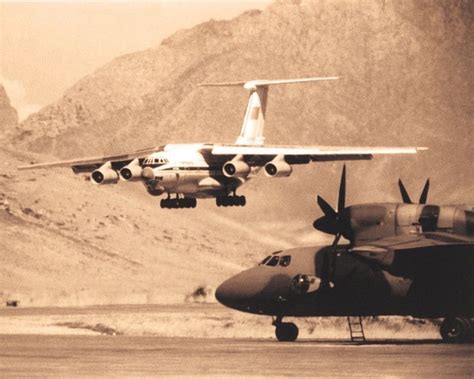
x,y
457,329
285,331
176,203
230,201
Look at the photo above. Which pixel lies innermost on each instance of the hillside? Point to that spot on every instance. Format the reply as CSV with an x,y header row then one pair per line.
x,y
8,114
406,78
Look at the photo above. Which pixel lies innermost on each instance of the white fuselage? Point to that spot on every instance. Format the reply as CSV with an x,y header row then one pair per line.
x,y
187,169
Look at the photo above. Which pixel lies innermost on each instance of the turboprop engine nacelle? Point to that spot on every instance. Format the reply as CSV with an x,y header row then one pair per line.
x,y
235,168
278,168
105,174
131,172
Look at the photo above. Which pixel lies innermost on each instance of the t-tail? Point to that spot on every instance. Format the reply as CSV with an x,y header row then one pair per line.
x,y
254,119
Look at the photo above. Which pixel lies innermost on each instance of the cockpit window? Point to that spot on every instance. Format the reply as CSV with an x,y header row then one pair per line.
x,y
285,260
265,260
273,261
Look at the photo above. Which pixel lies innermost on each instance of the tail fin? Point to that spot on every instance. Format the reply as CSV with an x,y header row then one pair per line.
x,y
254,119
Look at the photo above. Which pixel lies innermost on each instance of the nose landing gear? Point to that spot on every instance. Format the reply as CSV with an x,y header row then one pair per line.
x,y
285,331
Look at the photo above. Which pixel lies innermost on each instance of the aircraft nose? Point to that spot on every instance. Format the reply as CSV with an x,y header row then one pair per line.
x,y
238,290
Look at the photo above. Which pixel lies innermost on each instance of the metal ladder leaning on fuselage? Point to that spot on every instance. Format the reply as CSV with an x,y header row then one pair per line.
x,y
356,328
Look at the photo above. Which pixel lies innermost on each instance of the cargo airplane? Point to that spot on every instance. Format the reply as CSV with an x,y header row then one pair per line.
x,y
186,172
401,259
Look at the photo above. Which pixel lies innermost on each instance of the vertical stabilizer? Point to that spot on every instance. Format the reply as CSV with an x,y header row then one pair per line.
x,y
254,119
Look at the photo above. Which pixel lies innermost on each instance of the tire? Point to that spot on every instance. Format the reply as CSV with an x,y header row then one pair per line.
x,y
286,332
456,330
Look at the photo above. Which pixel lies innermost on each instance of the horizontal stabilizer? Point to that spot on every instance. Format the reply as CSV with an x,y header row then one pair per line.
x,y
253,84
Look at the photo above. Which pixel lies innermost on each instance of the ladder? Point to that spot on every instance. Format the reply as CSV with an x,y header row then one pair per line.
x,y
356,329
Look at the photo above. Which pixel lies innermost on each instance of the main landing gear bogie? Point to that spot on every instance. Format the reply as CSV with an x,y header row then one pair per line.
x,y
457,329
285,331
230,201
176,203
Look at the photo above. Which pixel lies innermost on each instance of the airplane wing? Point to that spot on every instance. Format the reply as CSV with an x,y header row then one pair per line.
x,y
406,255
305,154
89,164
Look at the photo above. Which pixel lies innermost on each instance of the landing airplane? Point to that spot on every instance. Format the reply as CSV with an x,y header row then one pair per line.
x,y
401,259
207,170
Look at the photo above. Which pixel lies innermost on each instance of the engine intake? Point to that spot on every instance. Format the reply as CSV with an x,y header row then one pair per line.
x,y
278,168
131,172
105,175
235,168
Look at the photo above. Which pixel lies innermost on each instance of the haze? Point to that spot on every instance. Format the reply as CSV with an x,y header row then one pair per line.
x,y
47,47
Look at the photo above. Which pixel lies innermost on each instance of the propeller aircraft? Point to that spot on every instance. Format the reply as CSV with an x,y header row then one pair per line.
x,y
186,172
401,259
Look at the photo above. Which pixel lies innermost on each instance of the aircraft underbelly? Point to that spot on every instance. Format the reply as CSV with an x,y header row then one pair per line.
x,y
202,183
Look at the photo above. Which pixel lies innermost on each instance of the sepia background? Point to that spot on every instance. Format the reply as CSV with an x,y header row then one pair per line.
x,y
93,78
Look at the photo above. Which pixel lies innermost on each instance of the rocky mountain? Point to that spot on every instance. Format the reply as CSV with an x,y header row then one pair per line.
x,y
8,114
406,79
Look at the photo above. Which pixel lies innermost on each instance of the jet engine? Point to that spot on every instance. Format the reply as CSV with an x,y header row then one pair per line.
x,y
131,172
278,168
235,168
105,174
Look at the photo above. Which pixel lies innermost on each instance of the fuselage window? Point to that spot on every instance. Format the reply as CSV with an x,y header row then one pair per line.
x,y
285,260
273,261
265,260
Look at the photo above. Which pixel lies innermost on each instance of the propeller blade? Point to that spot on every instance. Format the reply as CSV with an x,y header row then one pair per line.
x,y
326,225
424,194
341,201
404,193
336,240
326,208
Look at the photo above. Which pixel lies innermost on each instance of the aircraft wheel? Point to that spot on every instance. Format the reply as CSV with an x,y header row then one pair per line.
x,y
456,330
191,203
163,203
242,201
286,332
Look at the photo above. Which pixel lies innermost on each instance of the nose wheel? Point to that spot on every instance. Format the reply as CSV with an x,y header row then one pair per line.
x,y
285,331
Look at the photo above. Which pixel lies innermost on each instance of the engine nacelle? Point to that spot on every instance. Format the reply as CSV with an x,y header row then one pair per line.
x,y
235,168
278,168
105,175
131,172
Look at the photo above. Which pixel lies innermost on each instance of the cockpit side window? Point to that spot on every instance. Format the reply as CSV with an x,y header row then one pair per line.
x,y
273,261
285,260
265,260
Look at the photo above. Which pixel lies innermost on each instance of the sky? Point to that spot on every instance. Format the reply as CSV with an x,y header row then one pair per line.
x,y
46,47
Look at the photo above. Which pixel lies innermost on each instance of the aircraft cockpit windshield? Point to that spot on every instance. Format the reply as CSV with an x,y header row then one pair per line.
x,y
154,161
275,260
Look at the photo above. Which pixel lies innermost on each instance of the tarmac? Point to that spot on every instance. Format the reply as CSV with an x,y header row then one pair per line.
x,y
126,356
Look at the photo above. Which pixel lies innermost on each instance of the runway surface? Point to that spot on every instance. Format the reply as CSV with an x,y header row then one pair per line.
x,y
30,355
